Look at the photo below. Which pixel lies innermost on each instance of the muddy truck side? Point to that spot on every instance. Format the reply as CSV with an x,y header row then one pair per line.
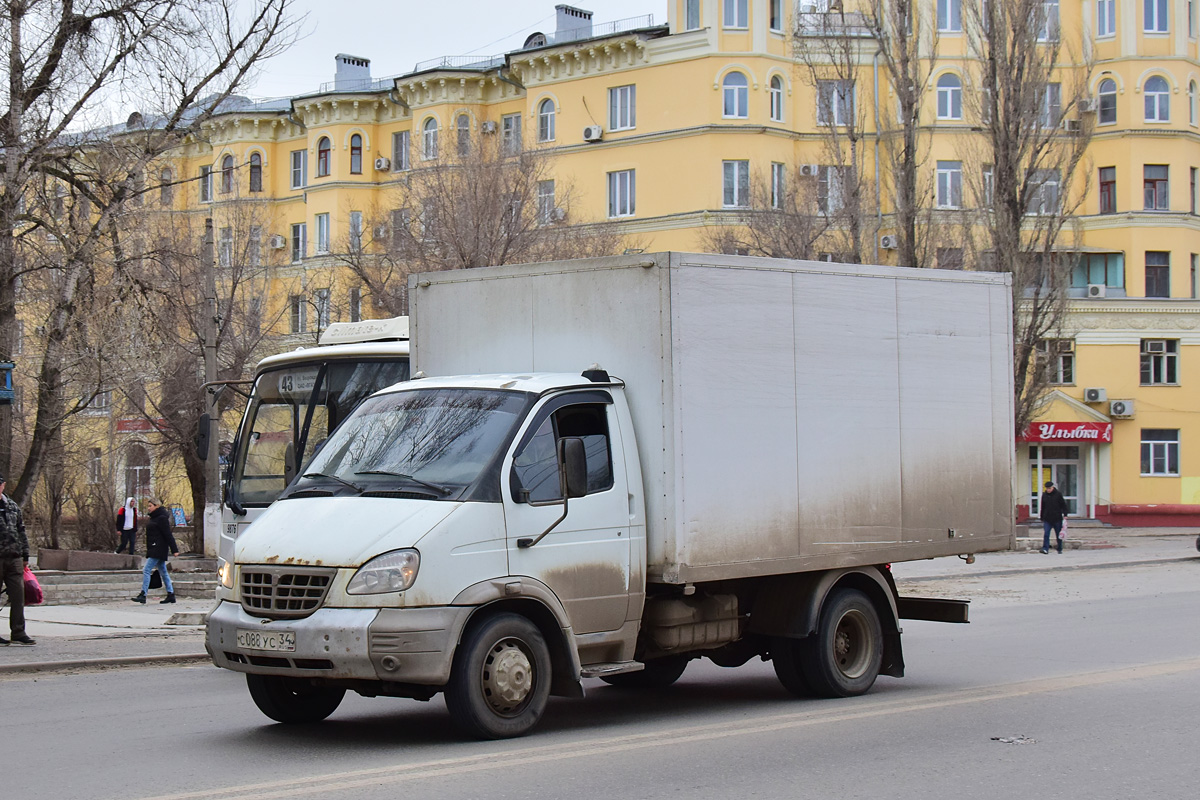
x,y
611,467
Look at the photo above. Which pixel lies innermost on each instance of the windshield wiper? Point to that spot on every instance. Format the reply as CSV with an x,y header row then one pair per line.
x,y
442,490
353,486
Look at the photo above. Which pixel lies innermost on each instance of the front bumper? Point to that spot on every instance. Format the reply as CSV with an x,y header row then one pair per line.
x,y
404,645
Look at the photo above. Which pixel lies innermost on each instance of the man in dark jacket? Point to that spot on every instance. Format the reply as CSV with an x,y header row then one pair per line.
x,y
1053,509
14,555
159,541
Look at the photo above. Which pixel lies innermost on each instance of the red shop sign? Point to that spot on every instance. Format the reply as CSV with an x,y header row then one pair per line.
x,y
1068,432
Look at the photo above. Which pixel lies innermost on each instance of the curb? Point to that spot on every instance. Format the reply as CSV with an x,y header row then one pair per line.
x,y
101,663
1056,568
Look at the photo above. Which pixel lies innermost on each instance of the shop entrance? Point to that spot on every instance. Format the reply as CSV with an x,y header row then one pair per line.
x,y
1061,465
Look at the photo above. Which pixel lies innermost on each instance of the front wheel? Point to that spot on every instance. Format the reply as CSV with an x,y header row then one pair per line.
x,y
844,657
293,700
500,681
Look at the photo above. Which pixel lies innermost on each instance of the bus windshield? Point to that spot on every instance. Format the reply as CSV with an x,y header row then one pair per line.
x,y
291,412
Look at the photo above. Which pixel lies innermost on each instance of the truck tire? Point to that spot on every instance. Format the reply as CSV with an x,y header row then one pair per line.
x,y
293,700
658,674
785,657
844,657
500,681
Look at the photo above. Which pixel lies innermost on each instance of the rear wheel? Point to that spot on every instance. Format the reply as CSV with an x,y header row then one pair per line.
x,y
785,657
843,659
293,700
658,674
501,679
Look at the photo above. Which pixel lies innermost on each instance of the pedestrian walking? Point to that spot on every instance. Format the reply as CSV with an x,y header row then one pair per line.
x,y
127,519
1052,510
14,556
159,542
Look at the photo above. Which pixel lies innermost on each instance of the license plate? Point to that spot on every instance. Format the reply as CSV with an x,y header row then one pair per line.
x,y
278,641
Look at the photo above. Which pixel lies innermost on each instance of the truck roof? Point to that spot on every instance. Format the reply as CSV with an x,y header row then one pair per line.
x,y
336,352
533,382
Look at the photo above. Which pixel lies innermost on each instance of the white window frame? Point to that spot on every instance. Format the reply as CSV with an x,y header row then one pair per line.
x,y
691,15
1058,360
545,201
401,149
949,97
299,241
1045,193
775,95
1157,103
622,107
206,184
254,246
735,14
299,169
429,139
95,468
1193,103
735,96
1161,451
988,186
1106,19
510,133
831,188
832,96
355,231
775,16
949,184
225,247
735,184
547,114
778,184
1156,16
622,193
298,313
321,222
323,305
949,16
462,134
1101,95
1050,23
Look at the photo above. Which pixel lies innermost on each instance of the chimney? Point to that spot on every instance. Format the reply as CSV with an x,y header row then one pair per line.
x,y
573,23
353,73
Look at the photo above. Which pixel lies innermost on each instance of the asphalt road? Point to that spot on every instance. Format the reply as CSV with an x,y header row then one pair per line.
x,y
1069,685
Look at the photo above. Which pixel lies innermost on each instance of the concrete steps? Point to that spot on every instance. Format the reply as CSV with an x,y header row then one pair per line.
x,y
73,588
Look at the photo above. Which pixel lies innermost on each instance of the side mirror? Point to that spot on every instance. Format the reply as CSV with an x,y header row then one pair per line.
x,y
572,462
202,436
289,463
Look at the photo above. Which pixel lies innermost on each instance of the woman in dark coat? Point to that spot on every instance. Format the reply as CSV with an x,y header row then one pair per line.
x,y
159,541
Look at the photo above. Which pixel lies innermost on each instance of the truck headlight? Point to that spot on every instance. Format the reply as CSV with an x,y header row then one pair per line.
x,y
225,573
390,572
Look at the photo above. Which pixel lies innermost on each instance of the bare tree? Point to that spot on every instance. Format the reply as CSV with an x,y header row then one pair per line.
x,y
783,219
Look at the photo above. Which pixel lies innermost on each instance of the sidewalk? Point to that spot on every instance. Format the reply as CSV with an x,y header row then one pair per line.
x,y
97,635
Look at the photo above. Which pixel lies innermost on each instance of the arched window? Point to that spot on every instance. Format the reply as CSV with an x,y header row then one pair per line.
x,y
323,148
137,472
737,96
1193,104
166,187
546,112
949,97
356,155
227,174
1158,99
1108,102
256,172
776,93
429,139
462,129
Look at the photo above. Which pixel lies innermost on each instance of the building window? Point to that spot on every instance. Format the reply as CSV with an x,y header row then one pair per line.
x,y
1158,99
949,184
321,303
323,148
166,187
622,108
400,144
1058,359
297,307
545,202
546,113
949,97
355,303
1108,102
510,133
1154,18
737,13
1193,104
95,468
1108,190
778,186
206,184
1106,18
691,15
736,184
988,186
835,102
256,172
1158,273
949,258
949,16
1103,269
19,339
1192,189
356,229
736,94
356,154
832,183
1048,21
322,221
622,193
254,246
1043,192
776,15
225,248
1156,185
429,140
226,174
462,134
1160,451
775,92
101,403
299,169
1052,105
1159,362
299,242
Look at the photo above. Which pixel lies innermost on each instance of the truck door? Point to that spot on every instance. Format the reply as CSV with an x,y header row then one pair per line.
x,y
585,559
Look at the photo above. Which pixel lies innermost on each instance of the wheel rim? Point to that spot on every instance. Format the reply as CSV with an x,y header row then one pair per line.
x,y
508,677
852,645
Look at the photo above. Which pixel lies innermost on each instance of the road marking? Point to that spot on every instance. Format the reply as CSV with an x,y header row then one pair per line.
x,y
435,768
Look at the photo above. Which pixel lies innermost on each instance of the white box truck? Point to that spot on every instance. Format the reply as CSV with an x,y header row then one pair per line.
x,y
625,464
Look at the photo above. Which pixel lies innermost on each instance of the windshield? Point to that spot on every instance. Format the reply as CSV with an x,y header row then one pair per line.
x,y
274,439
427,442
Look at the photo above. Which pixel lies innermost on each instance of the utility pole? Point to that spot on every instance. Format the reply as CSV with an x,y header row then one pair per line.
x,y
212,466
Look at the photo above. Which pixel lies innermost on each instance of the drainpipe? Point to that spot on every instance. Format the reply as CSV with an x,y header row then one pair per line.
x,y
393,95
878,181
500,74
292,118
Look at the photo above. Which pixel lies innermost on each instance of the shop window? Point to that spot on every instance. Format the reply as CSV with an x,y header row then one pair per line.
x,y
1160,451
1160,362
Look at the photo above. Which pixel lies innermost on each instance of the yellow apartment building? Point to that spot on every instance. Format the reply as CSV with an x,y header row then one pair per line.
x,y
667,130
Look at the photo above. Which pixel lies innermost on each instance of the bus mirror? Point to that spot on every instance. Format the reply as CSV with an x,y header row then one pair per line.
x,y
202,437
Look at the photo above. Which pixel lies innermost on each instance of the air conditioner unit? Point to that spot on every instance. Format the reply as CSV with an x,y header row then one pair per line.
x,y
558,214
1064,345
1087,105
1071,125
1120,408
1095,395
487,126
888,242
809,170
278,242
383,164
1096,290
1154,346
593,133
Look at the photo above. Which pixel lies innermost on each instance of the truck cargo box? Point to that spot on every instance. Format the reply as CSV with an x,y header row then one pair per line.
x,y
790,415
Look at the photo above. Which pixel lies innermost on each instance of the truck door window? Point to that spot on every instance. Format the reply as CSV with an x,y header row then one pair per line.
x,y
535,466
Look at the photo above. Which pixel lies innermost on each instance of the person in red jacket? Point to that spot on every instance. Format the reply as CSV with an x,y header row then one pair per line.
x,y
127,519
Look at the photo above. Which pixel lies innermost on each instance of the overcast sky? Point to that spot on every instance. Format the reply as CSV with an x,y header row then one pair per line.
x,y
396,34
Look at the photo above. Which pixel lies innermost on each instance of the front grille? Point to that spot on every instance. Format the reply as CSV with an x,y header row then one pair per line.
x,y
284,591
